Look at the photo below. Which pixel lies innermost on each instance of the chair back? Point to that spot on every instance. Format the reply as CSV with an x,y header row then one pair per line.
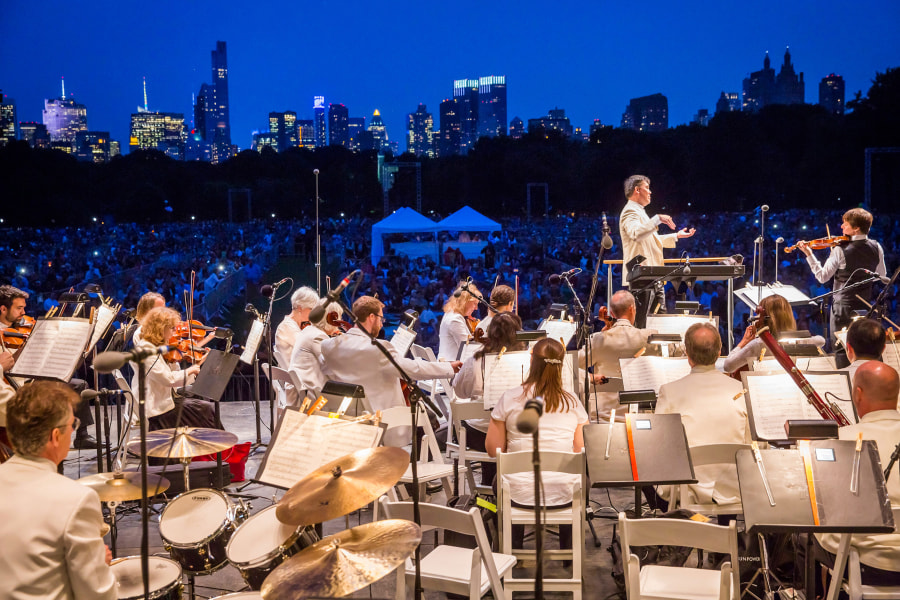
x,y
551,460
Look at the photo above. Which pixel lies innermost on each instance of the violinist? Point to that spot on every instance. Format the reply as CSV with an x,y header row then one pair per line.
x,y
503,298
455,329
621,340
302,302
306,359
162,379
844,263
148,302
13,302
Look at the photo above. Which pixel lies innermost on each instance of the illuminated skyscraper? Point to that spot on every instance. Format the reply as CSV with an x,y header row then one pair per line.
x,y
647,113
378,131
516,128
8,120
204,117
449,137
221,110
35,134
92,146
319,118
492,106
420,132
64,118
307,132
728,102
355,126
465,92
265,140
338,125
159,131
556,120
283,125
831,94
763,87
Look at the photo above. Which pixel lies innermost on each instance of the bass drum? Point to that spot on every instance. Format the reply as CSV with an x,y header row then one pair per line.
x,y
263,543
165,578
195,528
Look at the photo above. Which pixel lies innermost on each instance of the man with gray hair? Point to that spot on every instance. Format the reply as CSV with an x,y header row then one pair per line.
x,y
639,237
51,525
621,340
302,302
712,411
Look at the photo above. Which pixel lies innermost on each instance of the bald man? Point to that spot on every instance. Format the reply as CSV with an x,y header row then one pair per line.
x,y
875,389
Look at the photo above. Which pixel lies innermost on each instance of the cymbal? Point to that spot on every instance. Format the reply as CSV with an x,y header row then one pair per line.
x,y
189,442
342,486
345,562
120,487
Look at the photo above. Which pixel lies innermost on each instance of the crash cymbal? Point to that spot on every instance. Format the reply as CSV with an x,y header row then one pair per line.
x,y
120,487
189,442
345,562
342,486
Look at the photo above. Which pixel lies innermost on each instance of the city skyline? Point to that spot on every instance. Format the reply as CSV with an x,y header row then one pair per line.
x,y
590,61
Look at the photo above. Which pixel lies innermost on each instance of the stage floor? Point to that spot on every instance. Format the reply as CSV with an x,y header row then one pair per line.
x,y
239,418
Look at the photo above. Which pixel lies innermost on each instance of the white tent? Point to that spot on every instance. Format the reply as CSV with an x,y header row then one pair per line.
x,y
468,219
403,220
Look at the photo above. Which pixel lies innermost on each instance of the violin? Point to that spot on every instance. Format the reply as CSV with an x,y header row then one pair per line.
x,y
821,243
193,329
184,350
472,324
606,319
334,320
183,342
15,336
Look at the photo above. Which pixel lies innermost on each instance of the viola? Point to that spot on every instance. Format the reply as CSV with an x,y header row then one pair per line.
x,y
12,338
606,319
334,320
185,351
472,324
193,329
821,243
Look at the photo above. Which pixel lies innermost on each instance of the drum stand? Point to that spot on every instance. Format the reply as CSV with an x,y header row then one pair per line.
x,y
113,528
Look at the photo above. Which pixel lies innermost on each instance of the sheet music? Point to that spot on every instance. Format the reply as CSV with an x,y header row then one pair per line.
x,y
805,363
468,350
54,349
775,398
305,443
751,295
651,372
402,339
253,340
105,316
558,329
509,371
677,323
891,355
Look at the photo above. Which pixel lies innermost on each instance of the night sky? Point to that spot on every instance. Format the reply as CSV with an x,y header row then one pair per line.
x,y
589,58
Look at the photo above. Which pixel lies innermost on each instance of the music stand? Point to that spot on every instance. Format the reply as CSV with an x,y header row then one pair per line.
x,y
215,373
838,510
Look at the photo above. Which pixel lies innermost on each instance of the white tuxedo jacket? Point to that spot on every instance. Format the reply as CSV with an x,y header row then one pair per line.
x,y
639,236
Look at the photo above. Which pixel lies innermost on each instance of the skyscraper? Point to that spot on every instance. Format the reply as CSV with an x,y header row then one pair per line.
x,y
647,113
92,146
420,132
465,92
8,120
701,118
450,135
378,131
222,112
319,118
204,117
728,102
492,106
35,134
516,128
763,88
159,131
831,94
64,118
307,132
556,120
283,126
355,127
338,125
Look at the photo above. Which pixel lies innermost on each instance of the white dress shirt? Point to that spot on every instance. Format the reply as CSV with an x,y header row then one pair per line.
x,y
162,378
453,333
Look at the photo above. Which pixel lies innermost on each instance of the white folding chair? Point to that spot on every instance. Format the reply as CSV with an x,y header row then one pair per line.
x,y
709,455
459,412
441,390
560,462
285,392
656,582
854,586
131,426
465,571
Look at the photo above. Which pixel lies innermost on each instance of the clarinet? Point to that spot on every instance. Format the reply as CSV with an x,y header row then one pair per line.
x,y
826,410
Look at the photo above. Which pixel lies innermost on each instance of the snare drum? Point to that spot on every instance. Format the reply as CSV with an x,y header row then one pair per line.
x,y
239,596
165,578
263,543
195,528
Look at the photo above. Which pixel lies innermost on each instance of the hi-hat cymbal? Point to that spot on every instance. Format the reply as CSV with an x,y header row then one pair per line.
x,y
345,562
121,487
189,442
342,486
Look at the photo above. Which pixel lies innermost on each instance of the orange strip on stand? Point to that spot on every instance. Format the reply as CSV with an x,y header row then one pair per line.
x,y
807,464
628,423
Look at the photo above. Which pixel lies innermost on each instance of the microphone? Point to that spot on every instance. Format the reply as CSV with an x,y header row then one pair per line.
x,y
528,420
281,283
764,208
607,242
107,362
462,288
554,279
316,314
686,269
779,240
104,393
882,279
252,310
267,290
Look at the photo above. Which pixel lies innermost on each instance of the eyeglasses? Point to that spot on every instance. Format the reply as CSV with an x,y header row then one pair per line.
x,y
380,317
76,423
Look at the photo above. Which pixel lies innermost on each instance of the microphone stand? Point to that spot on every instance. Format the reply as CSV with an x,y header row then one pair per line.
x,y
538,526
882,297
820,299
894,457
478,297
584,329
416,395
270,388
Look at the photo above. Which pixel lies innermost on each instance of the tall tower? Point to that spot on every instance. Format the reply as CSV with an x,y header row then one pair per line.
x,y
338,125
465,92
420,132
319,121
449,137
492,106
378,131
221,111
831,94
64,118
8,122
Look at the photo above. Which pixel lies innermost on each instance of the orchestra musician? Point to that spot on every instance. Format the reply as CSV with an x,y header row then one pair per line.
x,y
162,378
866,340
303,300
860,252
51,525
455,329
503,299
353,358
639,237
712,410
306,359
875,389
780,318
621,340
13,303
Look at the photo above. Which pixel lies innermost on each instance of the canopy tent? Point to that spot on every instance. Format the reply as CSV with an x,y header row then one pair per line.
x,y
403,220
468,219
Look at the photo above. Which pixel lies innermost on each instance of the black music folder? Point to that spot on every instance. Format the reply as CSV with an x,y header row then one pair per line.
x,y
215,373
